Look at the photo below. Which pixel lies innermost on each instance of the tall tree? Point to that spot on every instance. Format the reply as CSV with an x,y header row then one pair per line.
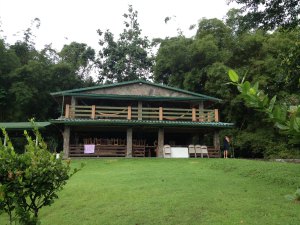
x,y
269,14
129,57
80,57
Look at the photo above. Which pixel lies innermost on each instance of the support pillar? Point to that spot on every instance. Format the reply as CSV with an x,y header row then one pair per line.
x,y
160,143
129,143
66,136
216,140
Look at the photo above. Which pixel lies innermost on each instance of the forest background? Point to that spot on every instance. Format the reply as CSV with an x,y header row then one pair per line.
x,y
263,45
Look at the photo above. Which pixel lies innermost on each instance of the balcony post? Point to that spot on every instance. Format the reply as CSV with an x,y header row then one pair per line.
x,y
67,112
194,114
93,115
161,113
216,115
129,113
140,110
201,113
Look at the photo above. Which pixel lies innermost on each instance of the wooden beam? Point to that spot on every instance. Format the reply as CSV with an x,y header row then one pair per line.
x,y
129,113
93,115
161,113
216,115
194,115
67,112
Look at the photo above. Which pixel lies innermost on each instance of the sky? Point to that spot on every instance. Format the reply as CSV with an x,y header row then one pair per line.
x,y
64,21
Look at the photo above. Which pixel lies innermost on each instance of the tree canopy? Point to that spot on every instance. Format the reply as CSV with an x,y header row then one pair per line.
x,y
269,14
129,57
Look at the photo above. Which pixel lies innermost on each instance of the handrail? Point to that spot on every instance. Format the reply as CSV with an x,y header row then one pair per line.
x,y
149,113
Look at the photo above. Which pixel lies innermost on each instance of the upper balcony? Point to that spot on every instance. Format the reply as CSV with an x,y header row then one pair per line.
x,y
141,113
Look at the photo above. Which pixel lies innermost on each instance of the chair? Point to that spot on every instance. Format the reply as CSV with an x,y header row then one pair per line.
x,y
204,151
167,151
192,150
198,151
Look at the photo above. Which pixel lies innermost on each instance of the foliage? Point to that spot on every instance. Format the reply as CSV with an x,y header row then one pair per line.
x,y
80,57
127,58
28,76
270,14
31,180
285,117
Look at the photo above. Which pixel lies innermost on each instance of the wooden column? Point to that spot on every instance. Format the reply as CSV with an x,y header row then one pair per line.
x,y
216,140
216,115
129,113
67,112
140,110
160,143
72,108
66,136
129,143
93,115
161,113
194,115
201,116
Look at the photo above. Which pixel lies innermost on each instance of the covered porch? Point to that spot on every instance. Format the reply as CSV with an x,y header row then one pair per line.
x,y
111,138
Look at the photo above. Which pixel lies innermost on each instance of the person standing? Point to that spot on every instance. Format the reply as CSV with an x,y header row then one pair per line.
x,y
226,146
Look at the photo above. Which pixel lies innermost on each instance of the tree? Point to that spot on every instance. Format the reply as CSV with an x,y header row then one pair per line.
x,y
80,57
269,14
127,58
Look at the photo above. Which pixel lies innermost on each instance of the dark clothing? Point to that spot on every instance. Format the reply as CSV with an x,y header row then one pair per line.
x,y
226,144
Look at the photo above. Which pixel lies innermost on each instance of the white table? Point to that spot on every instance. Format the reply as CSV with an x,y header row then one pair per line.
x,y
179,152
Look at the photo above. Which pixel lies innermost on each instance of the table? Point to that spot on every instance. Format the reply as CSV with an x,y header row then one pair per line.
x,y
179,152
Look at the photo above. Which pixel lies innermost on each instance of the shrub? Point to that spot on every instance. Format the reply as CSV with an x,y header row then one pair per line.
x,y
31,180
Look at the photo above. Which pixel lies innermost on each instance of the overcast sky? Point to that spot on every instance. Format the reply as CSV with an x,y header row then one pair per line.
x,y
64,21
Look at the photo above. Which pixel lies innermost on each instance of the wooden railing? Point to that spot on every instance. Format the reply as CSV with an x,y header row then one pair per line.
x,y
135,113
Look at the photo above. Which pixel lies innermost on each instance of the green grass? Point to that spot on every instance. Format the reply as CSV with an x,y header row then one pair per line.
x,y
177,191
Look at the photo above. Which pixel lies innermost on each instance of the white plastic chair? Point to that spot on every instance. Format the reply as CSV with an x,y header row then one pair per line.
x,y
198,151
167,151
192,150
204,151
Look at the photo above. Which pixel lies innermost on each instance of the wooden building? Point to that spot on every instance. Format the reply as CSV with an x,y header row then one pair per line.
x,y
136,118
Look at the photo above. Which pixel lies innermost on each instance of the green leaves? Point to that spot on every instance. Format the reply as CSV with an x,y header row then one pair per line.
x,y
287,120
129,57
233,76
31,180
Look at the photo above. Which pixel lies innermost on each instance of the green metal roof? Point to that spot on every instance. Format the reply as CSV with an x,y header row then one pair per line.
x,y
150,123
23,125
73,92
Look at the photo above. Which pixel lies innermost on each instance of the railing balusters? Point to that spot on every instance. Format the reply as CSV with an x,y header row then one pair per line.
x,y
135,113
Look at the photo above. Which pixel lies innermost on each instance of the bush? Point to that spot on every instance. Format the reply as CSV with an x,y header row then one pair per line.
x,y
31,180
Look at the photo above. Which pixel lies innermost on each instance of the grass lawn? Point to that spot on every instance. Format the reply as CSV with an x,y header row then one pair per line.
x,y
177,191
